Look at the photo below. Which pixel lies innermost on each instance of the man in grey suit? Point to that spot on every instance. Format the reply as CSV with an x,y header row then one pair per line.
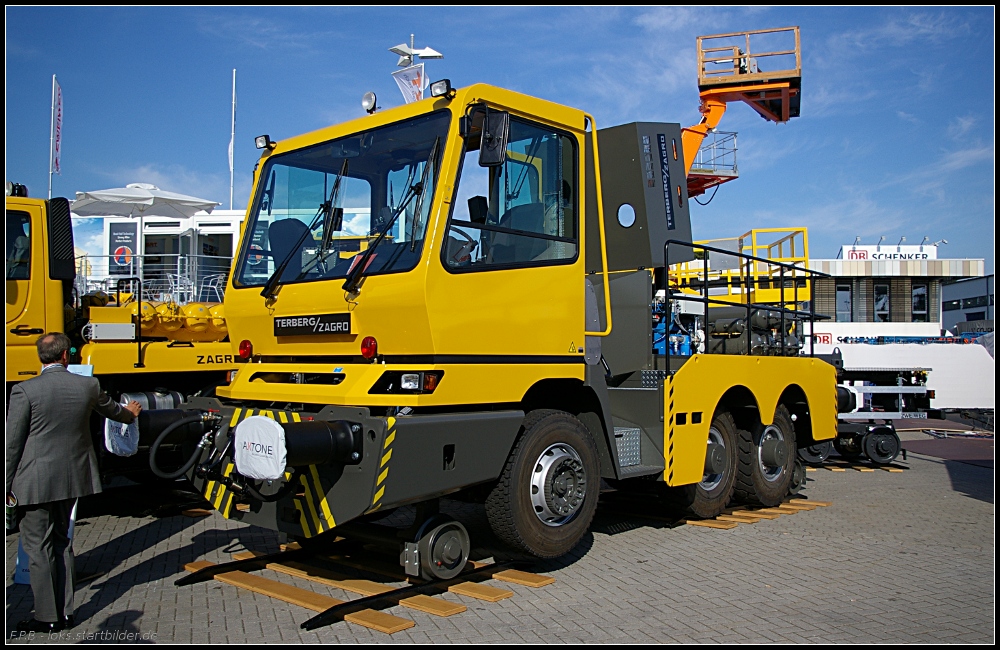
x,y
50,464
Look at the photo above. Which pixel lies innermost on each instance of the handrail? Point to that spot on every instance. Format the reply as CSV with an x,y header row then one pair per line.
x,y
749,260
600,226
138,316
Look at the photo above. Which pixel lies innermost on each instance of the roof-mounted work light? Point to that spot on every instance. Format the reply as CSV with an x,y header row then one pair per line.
x,y
443,89
265,142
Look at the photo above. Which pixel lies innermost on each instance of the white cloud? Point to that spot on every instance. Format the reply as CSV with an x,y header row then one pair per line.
x,y
176,178
960,126
263,33
908,117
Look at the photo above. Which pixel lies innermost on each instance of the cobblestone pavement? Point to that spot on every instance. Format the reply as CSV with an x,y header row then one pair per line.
x,y
899,557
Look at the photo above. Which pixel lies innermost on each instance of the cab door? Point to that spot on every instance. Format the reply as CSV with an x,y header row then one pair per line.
x,y
25,287
510,282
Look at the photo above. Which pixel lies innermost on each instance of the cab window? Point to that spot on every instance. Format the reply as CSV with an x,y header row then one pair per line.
x,y
521,213
18,245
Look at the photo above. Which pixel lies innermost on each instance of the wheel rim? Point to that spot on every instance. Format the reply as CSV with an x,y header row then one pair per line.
x,y
711,481
881,447
558,485
816,453
771,473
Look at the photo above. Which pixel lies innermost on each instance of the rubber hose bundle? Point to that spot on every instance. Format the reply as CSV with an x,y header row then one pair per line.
x,y
163,436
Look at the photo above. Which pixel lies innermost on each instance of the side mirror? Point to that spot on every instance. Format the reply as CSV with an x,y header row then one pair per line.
x,y
493,146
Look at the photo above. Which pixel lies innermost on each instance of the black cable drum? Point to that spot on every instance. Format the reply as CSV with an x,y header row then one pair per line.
x,y
318,441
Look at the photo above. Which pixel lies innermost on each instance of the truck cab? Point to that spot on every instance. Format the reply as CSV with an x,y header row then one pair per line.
x,y
40,274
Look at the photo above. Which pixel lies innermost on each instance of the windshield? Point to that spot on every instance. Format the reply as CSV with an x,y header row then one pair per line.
x,y
318,221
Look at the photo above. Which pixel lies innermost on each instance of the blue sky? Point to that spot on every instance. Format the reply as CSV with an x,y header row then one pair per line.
x,y
896,136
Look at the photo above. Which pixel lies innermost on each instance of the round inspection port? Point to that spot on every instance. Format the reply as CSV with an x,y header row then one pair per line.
x,y
626,215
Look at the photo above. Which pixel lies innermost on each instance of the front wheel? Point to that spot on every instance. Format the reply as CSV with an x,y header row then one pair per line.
x,y
547,494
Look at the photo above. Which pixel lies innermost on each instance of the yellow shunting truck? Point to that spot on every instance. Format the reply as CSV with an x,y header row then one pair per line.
x,y
155,352
494,337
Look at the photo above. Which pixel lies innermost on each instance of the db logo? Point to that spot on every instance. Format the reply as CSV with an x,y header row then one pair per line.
x,y
857,255
823,339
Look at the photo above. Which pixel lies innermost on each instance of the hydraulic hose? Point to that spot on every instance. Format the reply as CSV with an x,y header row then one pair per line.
x,y
163,436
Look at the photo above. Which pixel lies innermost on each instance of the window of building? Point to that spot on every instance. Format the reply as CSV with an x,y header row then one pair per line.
x,y
951,305
978,301
881,310
919,303
844,311
975,315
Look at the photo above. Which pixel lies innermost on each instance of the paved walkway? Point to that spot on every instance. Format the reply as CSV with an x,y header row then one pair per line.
x,y
899,557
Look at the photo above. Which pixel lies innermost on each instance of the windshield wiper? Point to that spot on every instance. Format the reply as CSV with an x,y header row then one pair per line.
x,y
424,180
357,271
325,210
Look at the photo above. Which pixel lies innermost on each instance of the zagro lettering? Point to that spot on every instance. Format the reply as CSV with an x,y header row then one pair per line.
x,y
214,358
661,141
315,324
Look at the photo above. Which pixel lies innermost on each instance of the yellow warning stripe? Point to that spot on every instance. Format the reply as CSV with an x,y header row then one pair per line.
x,y
302,519
380,482
222,493
321,497
312,507
236,417
229,501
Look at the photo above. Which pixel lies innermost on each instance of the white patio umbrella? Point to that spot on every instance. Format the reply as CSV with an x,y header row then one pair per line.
x,y
139,200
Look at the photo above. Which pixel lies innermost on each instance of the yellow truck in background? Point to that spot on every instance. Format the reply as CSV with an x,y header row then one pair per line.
x,y
157,352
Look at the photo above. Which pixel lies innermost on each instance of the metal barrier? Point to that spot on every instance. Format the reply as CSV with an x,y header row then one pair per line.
x,y
167,278
748,264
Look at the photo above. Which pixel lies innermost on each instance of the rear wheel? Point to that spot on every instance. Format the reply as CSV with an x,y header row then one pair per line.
x,y
766,461
547,494
712,495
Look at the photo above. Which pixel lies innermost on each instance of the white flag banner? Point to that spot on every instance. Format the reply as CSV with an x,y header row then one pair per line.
x,y
230,156
411,82
57,128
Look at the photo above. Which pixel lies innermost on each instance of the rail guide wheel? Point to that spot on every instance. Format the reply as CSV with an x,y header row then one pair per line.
x,y
816,454
881,445
442,548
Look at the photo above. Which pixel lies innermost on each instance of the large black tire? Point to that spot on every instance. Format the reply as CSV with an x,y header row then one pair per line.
x,y
547,494
763,480
712,495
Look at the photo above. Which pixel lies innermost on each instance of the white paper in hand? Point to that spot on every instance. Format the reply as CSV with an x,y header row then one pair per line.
x,y
121,439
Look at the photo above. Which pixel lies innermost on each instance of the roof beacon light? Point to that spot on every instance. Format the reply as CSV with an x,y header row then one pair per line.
x,y
369,347
368,102
264,142
442,89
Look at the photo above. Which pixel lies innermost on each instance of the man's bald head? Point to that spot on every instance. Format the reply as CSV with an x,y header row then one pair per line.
x,y
52,346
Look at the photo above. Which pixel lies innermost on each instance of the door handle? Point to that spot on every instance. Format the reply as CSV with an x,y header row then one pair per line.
x,y
24,330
